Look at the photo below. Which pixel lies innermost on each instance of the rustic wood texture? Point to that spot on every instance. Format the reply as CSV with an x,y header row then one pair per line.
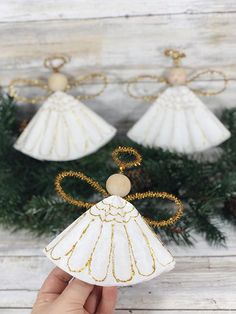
x,y
204,278
122,39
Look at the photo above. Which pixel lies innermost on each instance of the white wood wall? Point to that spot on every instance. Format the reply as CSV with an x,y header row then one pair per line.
x,y
120,38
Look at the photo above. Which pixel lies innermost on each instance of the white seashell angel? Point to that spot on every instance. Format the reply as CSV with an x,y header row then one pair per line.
x,y
63,128
178,120
111,244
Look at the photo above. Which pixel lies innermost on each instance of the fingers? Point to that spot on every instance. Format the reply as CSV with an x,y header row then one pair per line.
x,y
108,301
93,299
76,293
54,284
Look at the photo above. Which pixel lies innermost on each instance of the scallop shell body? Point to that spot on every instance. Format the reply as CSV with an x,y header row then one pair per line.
x,y
179,121
110,245
64,129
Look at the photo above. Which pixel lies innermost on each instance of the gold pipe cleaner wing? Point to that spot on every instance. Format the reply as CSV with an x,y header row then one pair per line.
x,y
74,174
202,92
28,82
89,78
163,195
142,78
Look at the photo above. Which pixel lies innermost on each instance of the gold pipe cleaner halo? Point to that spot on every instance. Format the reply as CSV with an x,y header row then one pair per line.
x,y
126,164
136,196
49,62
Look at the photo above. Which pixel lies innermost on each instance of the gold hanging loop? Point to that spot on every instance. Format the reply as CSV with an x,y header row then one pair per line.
x,y
27,82
209,93
49,62
141,78
87,78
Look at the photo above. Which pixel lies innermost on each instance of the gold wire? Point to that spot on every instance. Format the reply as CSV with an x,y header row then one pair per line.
x,y
27,82
48,62
68,198
123,164
164,195
209,93
87,78
139,78
176,56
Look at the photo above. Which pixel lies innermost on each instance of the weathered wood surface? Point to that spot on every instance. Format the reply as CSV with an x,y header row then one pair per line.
x,y
122,39
204,278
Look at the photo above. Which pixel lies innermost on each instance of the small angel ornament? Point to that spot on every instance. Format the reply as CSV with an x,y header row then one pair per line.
x,y
63,128
111,244
178,120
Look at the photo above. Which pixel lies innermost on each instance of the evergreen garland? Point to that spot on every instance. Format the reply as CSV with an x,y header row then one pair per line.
x,y
28,199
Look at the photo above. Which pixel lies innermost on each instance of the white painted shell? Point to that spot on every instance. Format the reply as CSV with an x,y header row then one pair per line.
x,y
110,245
179,121
64,129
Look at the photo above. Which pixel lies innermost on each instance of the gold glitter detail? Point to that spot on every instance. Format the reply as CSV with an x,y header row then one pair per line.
x,y
51,249
109,259
164,195
68,198
130,258
74,246
125,165
150,250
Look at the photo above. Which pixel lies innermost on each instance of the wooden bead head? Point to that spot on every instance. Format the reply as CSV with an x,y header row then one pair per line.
x,y
177,76
57,82
118,184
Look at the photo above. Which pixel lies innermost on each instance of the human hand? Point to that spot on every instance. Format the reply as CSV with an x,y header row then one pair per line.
x,y
60,294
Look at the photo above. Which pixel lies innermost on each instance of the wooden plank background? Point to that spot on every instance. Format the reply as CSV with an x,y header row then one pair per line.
x,y
122,39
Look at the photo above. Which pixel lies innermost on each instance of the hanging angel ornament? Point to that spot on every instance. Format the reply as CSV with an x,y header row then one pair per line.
x,y
111,244
178,120
63,128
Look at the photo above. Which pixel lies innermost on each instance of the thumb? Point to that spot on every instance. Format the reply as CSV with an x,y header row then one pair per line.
x,y
74,296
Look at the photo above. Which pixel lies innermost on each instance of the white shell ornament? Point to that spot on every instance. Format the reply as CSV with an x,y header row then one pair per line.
x,y
63,128
178,120
111,244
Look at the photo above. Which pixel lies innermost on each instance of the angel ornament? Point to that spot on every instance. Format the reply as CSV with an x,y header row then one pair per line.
x,y
111,244
63,128
178,120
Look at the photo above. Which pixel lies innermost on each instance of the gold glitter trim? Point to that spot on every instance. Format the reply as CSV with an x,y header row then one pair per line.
x,y
130,259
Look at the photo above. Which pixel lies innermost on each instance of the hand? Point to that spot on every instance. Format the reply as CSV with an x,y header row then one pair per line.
x,y
60,294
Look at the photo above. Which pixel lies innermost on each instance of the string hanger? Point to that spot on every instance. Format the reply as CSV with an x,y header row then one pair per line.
x,y
177,75
56,81
116,155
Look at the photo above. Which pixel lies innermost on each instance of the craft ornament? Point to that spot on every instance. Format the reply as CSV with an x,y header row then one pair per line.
x,y
63,128
178,120
111,244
